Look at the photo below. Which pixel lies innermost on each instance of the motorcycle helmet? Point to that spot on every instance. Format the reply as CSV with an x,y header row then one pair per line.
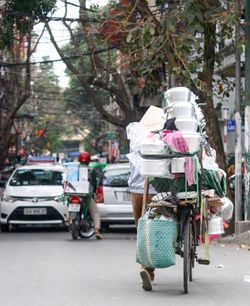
x,y
84,157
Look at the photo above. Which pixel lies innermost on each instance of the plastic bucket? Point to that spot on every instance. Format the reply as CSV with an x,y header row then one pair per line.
x,y
215,226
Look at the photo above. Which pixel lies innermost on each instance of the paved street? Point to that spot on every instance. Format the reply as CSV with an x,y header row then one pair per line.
x,y
46,268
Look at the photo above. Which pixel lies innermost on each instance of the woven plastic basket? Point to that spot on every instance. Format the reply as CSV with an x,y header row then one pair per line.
x,y
155,243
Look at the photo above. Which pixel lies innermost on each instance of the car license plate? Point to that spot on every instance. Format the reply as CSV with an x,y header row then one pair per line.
x,y
35,211
74,207
126,196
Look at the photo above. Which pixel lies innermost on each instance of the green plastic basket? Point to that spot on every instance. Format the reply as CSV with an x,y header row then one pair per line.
x,y
155,242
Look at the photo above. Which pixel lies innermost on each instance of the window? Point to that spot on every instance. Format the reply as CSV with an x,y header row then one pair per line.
x,y
32,177
116,177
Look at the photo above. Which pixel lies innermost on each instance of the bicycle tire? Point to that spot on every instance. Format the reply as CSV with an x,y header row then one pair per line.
x,y
192,250
187,254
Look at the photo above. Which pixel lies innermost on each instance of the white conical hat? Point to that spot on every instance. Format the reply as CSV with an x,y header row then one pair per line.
x,y
153,119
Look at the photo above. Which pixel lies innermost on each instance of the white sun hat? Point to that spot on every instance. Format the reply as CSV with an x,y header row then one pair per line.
x,y
153,119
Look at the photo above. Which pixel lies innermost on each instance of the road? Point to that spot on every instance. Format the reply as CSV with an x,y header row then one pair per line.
x,y
46,268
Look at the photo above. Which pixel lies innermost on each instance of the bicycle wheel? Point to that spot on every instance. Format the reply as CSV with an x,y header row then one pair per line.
x,y
187,265
192,248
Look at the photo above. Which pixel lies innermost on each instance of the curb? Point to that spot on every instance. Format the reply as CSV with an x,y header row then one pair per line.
x,y
243,238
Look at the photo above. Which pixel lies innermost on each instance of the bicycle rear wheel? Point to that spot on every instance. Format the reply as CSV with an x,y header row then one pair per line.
x,y
187,254
192,247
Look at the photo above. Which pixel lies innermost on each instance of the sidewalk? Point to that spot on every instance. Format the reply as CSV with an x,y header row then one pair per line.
x,y
242,239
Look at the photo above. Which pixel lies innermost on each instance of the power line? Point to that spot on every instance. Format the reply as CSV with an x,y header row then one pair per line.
x,y
46,18
6,64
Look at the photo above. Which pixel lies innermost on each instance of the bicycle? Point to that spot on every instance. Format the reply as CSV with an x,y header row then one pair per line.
x,y
188,239
186,208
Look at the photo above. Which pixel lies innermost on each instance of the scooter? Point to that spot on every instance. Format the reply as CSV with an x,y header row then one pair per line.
x,y
77,191
80,221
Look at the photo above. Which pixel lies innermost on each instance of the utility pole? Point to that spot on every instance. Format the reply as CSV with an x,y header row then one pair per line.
x,y
238,149
247,98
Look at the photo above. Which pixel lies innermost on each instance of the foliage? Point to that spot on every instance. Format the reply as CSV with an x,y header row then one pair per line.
x,y
46,104
179,29
20,15
182,39
78,103
175,38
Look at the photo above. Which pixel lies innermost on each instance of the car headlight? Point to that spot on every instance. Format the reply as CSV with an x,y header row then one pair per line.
x,y
59,198
8,198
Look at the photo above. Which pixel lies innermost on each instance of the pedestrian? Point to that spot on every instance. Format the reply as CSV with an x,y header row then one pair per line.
x,y
136,183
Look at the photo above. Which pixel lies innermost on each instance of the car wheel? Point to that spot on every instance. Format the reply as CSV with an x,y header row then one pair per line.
x,y
105,227
4,228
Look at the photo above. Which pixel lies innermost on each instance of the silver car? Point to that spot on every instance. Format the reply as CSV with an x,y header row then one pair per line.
x,y
113,198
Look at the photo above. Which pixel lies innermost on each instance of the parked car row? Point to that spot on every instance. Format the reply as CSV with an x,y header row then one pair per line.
x,y
34,194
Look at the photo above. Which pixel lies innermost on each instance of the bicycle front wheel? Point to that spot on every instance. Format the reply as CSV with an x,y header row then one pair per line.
x,y
187,264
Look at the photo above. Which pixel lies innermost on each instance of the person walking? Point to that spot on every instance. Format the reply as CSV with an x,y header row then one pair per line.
x,y
136,183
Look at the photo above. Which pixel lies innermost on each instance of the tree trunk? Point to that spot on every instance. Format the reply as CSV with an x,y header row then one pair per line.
x,y
214,134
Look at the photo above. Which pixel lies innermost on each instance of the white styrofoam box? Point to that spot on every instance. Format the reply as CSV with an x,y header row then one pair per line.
x,y
77,187
183,109
153,145
178,165
83,173
178,94
193,141
186,124
155,167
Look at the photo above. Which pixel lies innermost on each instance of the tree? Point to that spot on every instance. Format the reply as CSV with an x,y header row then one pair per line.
x,y
101,74
47,105
177,39
15,51
184,36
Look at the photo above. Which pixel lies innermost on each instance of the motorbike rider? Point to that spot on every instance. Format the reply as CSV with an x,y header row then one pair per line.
x,y
84,159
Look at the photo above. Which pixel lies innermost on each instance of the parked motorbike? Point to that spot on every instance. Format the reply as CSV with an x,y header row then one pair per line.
x,y
80,221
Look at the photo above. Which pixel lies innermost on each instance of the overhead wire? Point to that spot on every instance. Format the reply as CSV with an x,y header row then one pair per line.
x,y
47,18
6,64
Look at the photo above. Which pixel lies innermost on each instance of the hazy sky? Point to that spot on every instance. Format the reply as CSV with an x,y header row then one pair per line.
x,y
45,47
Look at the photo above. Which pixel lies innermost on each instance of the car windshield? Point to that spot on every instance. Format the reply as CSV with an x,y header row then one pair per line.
x,y
116,177
27,177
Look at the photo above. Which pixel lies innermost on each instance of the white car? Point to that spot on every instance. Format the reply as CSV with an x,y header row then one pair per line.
x,y
112,197
33,195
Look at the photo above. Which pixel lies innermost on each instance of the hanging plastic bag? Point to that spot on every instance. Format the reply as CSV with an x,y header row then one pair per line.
x,y
226,210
